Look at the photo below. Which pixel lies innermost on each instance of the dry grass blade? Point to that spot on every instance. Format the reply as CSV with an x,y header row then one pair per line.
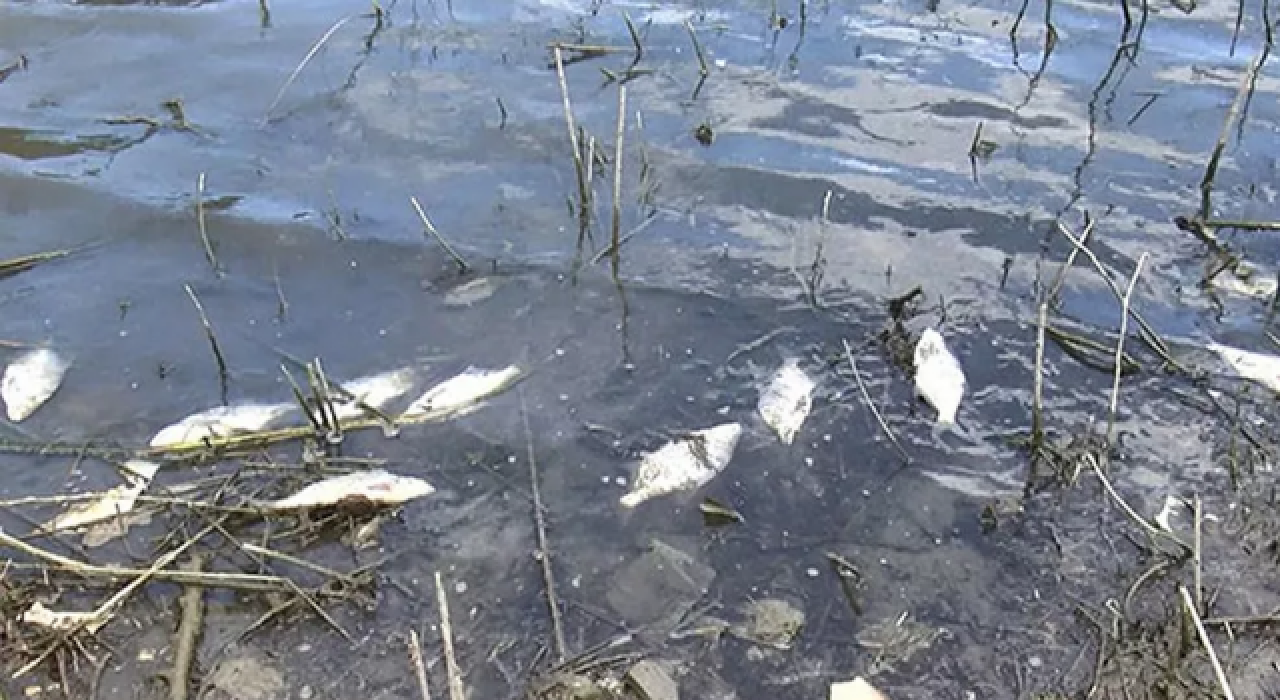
x,y
315,48
1037,401
204,229
1211,167
1124,330
431,229
1221,675
419,670
223,374
544,550
456,691
1148,333
853,364
615,244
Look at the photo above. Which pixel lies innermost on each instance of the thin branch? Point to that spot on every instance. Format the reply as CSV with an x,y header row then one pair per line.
x,y
853,364
431,229
544,550
456,691
1124,330
1207,643
223,374
315,48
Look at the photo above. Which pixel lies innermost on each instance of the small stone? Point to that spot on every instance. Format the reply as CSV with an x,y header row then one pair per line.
x,y
305,692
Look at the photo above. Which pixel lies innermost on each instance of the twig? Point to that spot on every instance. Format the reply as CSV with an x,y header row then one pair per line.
x,y
204,230
315,48
635,37
1037,397
1124,330
188,634
223,375
615,243
1149,335
1211,167
639,228
1197,514
1208,644
853,364
102,614
446,636
431,229
1151,530
211,579
697,49
419,670
579,168
544,551
1056,289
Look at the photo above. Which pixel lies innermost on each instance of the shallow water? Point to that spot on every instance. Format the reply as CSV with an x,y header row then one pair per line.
x,y
873,105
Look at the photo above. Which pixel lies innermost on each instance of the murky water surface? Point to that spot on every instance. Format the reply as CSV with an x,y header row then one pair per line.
x,y
834,168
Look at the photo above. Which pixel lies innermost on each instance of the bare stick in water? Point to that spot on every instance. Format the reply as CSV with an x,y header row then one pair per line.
x,y
1037,401
204,230
617,179
1124,330
431,229
544,551
579,168
697,50
1211,168
223,375
1223,684
315,48
415,657
456,691
853,364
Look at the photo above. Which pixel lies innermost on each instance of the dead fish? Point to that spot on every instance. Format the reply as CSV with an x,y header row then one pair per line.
x,y
375,486
939,377
111,503
462,394
856,689
684,464
786,400
30,380
1254,366
375,391
220,422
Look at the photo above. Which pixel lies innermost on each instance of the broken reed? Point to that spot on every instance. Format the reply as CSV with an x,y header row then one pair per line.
x,y
579,168
223,374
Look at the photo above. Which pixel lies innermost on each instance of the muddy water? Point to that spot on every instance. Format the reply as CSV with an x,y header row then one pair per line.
x,y
875,104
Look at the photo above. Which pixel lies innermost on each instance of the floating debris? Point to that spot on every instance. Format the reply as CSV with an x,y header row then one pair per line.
x,y
684,464
652,681
112,505
470,293
770,622
939,377
375,392
41,616
786,400
220,422
856,689
30,380
715,513
376,486
462,394
1254,366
